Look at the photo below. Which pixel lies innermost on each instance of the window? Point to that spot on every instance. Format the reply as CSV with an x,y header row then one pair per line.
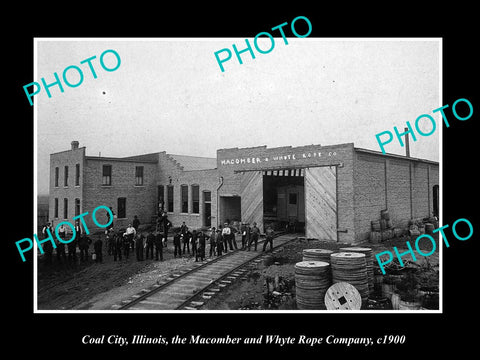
x,y
65,176
195,199
77,207
57,171
55,208
170,198
122,207
77,174
207,196
161,194
65,208
107,175
184,198
138,175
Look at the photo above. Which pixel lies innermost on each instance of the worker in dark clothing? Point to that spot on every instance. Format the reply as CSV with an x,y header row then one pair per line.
x,y
165,225
200,253
83,243
245,229
149,245
268,238
47,246
139,245
97,247
193,239
213,243
72,250
109,238
158,241
184,233
254,236
62,232
117,246
177,247
136,223
219,241
129,236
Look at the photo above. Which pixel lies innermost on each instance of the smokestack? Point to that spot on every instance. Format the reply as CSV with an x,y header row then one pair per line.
x,y
74,145
407,143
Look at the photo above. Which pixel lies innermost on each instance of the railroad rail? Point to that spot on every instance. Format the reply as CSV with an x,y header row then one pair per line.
x,y
177,291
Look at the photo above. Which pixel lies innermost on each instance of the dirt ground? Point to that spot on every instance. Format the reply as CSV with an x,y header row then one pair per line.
x,y
98,286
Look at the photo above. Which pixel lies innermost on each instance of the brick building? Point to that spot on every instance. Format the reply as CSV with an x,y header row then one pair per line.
x,y
332,192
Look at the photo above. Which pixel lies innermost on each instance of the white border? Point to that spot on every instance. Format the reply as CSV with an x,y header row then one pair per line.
x,y
244,312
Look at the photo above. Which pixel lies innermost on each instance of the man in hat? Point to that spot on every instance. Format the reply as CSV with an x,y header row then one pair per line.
x,y
177,247
245,229
213,242
254,236
268,238
158,241
129,235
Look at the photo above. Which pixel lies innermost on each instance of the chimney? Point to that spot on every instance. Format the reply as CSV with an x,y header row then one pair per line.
x,y
74,145
407,143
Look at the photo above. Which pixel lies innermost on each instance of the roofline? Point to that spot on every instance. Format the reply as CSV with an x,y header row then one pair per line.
x,y
63,151
103,158
193,156
403,157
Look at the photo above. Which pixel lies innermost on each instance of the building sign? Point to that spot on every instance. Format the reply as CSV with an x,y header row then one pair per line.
x,y
277,158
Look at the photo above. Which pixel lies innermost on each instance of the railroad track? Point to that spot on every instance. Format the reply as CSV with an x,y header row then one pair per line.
x,y
206,278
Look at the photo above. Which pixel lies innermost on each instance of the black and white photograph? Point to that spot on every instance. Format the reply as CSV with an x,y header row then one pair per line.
x,y
254,188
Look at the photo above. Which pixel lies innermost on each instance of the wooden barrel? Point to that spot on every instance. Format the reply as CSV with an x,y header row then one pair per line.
x,y
317,255
375,225
311,283
429,228
369,260
351,267
383,224
375,237
384,214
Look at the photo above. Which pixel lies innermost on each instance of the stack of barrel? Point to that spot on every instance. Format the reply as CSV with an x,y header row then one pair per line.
x,y
369,260
351,267
382,229
312,280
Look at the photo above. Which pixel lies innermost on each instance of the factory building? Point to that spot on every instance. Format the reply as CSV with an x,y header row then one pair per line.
x,y
328,192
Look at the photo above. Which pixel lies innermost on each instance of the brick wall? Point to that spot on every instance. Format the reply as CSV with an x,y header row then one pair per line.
x,y
403,186
207,180
70,192
140,200
261,157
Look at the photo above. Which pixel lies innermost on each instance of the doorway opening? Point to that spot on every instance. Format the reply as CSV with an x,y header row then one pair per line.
x,y
284,200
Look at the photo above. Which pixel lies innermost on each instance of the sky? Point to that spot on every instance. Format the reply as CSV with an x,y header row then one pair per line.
x,y
170,95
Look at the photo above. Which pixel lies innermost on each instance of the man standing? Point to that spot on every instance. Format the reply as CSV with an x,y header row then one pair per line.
x,y
139,247
62,231
213,242
185,237
165,224
177,247
149,248
129,235
254,236
158,241
219,241
245,229
268,238
226,237
200,246
117,246
48,247
83,244
97,247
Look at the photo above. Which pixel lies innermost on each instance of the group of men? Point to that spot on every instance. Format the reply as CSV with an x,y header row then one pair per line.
x,y
147,243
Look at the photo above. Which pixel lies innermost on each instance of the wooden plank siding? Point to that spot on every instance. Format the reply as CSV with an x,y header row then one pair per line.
x,y
321,203
251,192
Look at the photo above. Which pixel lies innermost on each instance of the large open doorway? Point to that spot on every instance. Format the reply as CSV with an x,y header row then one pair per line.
x,y
230,209
284,199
